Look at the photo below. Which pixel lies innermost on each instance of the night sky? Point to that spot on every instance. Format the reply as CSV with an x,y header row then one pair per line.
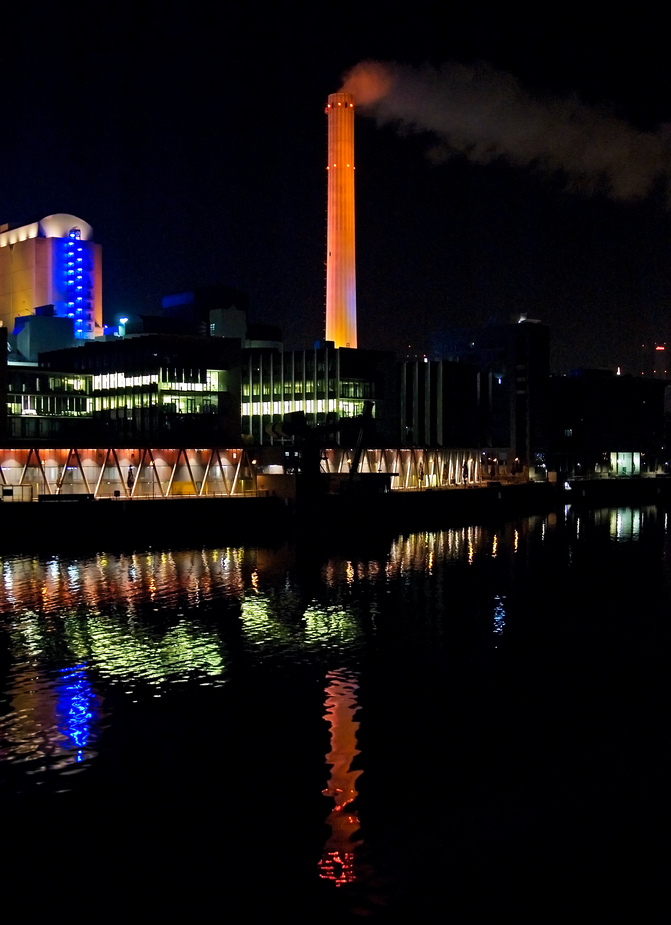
x,y
194,142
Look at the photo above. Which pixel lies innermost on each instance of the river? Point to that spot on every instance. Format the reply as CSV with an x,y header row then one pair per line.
x,y
443,725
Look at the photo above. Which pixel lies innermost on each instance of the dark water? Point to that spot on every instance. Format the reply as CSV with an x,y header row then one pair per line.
x,y
453,725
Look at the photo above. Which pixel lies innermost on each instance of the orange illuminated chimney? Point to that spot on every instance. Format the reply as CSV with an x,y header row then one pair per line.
x,y
340,262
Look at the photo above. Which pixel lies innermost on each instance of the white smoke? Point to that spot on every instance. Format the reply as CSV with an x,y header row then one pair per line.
x,y
486,114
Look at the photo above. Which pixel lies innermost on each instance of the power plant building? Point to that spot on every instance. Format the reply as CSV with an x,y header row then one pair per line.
x,y
53,265
513,367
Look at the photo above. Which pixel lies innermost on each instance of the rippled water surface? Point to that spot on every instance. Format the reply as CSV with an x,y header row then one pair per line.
x,y
349,733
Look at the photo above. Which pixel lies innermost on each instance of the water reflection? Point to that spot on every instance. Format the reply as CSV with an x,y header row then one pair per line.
x,y
469,641
337,862
499,614
166,617
52,720
623,524
119,647
75,706
77,627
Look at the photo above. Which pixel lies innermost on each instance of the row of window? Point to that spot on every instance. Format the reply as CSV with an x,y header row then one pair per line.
x,y
107,381
121,381
344,408
39,405
40,384
347,389
32,405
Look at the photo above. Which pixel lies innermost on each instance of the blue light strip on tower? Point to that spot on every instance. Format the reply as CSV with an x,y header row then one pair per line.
x,y
78,283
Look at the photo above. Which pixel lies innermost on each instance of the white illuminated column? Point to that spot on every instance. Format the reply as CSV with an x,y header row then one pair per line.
x,y
340,249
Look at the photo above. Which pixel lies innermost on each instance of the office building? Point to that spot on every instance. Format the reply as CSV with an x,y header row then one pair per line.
x,y
325,383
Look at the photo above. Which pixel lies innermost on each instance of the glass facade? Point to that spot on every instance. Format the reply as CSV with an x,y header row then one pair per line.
x,y
276,384
39,404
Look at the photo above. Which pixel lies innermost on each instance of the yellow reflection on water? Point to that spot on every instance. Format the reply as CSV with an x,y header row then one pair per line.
x,y
259,624
330,626
126,652
337,861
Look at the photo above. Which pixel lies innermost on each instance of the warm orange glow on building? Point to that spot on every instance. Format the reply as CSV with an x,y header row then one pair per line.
x,y
340,248
337,861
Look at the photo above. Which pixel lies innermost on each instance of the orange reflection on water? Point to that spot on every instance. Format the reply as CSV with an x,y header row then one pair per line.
x,y
337,863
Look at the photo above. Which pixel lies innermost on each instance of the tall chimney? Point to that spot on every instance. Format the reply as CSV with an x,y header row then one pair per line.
x,y
340,261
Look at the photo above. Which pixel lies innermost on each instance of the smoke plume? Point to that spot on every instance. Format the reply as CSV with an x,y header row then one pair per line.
x,y
486,114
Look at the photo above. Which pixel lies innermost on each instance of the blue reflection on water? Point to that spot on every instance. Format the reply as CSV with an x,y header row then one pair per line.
x,y
499,614
74,709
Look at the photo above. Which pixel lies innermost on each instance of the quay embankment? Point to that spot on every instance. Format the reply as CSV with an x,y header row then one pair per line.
x,y
78,521
490,501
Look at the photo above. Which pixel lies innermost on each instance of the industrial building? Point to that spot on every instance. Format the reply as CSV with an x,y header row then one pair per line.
x,y
604,425
53,262
85,409
199,375
438,403
141,389
513,367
